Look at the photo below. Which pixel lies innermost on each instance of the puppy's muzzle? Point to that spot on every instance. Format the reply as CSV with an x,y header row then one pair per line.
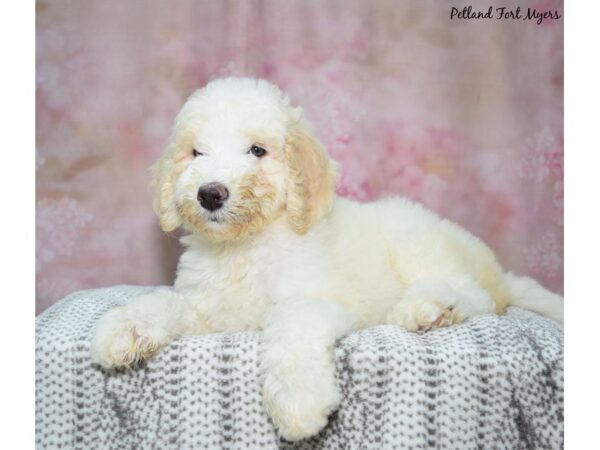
x,y
212,196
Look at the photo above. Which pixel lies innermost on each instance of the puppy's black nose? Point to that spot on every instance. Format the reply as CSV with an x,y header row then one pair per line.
x,y
212,195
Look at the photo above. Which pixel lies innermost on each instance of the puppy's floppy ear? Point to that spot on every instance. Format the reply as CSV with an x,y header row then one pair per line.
x,y
311,178
164,173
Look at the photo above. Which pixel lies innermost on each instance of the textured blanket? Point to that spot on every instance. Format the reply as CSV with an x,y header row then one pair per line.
x,y
490,383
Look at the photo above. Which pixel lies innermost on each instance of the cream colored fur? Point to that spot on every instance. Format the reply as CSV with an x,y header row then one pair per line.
x,y
286,256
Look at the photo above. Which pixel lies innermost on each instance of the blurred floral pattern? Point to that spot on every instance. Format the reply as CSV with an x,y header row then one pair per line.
x,y
465,116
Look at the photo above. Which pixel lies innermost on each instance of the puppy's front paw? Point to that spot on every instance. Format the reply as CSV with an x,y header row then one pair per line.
x,y
426,306
122,341
299,410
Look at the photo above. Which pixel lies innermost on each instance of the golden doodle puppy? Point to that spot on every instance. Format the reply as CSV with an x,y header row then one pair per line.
x,y
270,247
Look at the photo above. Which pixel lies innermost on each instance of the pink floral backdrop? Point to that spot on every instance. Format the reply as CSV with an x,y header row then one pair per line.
x,y
465,116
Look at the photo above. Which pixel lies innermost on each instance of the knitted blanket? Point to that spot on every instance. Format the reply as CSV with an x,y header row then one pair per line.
x,y
489,383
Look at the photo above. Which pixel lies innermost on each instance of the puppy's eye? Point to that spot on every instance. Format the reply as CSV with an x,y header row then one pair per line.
x,y
257,151
197,153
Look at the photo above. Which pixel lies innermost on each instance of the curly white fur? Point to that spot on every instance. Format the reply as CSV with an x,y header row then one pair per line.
x,y
285,256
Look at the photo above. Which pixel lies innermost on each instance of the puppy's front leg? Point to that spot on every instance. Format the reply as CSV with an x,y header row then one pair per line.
x,y
297,367
131,333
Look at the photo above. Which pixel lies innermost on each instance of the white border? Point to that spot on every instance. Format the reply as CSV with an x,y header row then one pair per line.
x,y
582,224
17,191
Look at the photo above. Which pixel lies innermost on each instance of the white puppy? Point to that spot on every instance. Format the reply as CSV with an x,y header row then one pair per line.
x,y
270,247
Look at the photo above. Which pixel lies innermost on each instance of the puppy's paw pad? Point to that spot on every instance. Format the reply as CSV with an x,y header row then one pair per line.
x,y
426,307
438,316
121,342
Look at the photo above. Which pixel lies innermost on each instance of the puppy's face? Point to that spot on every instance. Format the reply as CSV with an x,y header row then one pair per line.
x,y
240,156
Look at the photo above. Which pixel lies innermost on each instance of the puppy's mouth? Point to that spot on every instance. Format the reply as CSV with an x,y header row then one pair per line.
x,y
217,218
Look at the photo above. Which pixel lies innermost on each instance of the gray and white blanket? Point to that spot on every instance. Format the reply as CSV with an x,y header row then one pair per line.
x,y
490,383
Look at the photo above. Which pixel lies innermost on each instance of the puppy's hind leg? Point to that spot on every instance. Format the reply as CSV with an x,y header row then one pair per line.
x,y
437,302
128,334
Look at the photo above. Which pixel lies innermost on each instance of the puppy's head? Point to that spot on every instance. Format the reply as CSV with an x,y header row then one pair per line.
x,y
239,157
